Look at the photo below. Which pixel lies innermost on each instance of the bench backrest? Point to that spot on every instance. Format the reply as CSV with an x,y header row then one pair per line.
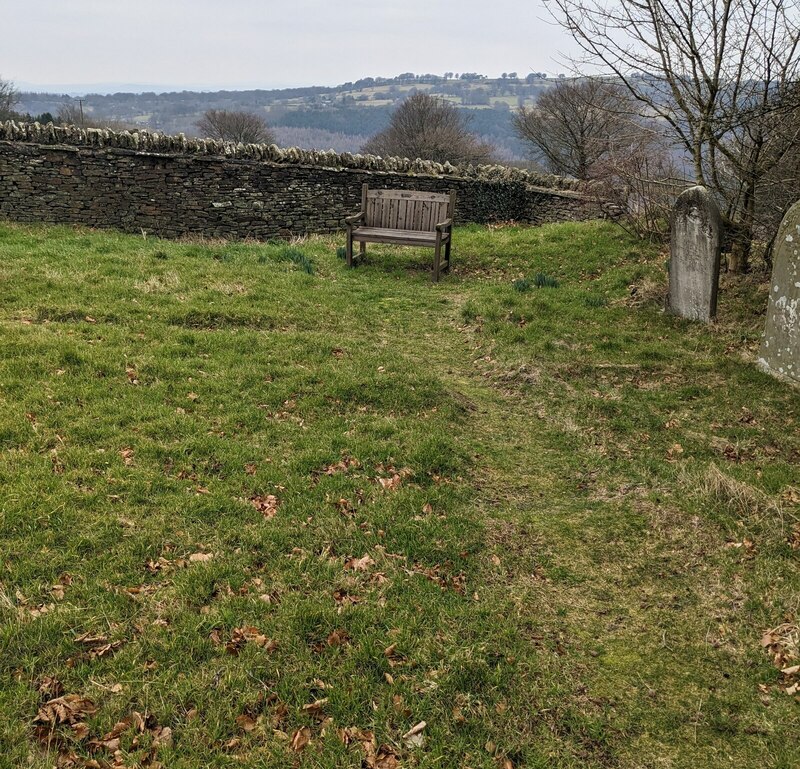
x,y
406,209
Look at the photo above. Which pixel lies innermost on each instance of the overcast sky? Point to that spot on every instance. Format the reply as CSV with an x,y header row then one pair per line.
x,y
252,43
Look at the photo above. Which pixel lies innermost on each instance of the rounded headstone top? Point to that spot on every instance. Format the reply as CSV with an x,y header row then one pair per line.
x,y
697,197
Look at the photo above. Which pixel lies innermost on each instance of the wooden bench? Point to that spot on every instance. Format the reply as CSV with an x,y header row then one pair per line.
x,y
406,218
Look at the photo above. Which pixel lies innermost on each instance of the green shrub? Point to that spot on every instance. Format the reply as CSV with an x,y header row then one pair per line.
x,y
522,285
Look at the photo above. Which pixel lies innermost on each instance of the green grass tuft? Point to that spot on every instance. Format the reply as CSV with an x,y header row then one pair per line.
x,y
298,258
541,280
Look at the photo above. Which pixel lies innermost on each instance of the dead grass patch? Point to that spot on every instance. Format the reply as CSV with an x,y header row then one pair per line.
x,y
229,289
740,499
646,291
159,284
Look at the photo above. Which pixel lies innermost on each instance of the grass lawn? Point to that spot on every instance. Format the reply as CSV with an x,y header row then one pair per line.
x,y
260,510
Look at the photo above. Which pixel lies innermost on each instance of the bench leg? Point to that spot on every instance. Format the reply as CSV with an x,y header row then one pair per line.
x,y
447,255
362,250
349,246
437,261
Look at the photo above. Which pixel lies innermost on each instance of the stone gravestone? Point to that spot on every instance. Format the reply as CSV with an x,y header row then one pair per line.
x,y
780,350
695,244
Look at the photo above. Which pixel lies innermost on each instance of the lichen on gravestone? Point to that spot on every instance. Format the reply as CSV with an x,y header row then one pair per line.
x,y
780,347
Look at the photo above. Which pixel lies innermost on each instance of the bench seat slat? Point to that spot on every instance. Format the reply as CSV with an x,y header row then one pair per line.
x,y
402,237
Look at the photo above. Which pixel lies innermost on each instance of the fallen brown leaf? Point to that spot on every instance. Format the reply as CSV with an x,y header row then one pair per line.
x,y
266,505
399,705
391,484
413,738
246,723
338,638
91,640
300,739
783,645
394,657
315,709
98,646
344,465
49,687
342,597
111,740
674,451
241,636
385,757
375,757
162,735
791,495
68,709
359,564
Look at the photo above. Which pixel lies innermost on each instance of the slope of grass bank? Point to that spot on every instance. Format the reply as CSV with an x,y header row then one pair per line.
x,y
266,512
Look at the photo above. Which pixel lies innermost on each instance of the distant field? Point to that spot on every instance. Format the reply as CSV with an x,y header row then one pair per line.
x,y
261,510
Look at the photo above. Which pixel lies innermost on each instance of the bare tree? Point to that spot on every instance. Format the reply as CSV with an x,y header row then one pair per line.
x,y
577,124
429,128
8,99
641,180
591,129
715,73
779,187
70,113
235,126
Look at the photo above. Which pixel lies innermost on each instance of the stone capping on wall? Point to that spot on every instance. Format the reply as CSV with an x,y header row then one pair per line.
x,y
153,142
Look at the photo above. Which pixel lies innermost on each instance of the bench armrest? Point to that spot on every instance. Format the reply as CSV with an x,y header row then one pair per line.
x,y
445,225
356,218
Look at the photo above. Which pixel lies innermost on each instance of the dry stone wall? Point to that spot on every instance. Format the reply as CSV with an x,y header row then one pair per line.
x,y
171,187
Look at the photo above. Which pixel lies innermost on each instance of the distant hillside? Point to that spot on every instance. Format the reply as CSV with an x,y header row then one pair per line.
x,y
339,118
